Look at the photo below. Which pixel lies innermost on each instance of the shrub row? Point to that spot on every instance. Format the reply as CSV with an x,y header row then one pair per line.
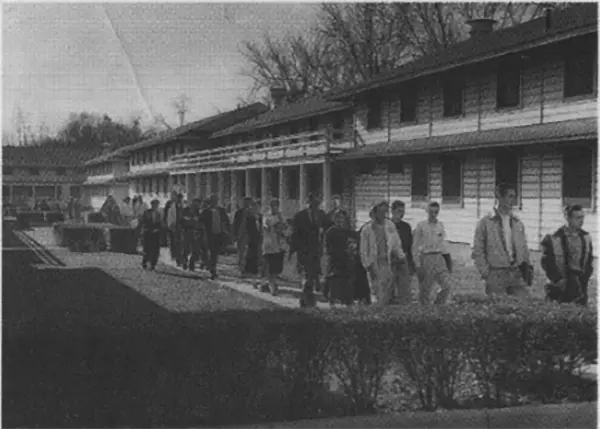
x,y
30,218
487,353
95,237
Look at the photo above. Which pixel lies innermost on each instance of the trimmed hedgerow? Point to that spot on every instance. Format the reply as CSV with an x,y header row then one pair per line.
x,y
487,353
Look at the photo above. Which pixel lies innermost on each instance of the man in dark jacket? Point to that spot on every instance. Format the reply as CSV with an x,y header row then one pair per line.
x,y
151,226
307,235
567,259
217,227
172,220
403,272
240,232
192,234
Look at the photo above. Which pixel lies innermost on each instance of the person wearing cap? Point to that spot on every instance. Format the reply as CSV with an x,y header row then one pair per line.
x,y
380,251
216,223
240,232
192,234
500,250
307,243
151,225
568,258
172,220
337,208
431,257
273,244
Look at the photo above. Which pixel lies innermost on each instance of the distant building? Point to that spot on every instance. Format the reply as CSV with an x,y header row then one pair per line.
x,y
48,172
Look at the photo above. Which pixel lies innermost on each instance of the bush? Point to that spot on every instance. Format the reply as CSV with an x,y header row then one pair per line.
x,y
288,366
28,218
80,237
53,217
95,217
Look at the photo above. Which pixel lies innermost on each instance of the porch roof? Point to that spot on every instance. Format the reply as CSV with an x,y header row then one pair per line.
x,y
146,173
577,129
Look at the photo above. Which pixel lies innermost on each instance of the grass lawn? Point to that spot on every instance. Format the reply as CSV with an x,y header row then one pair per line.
x,y
84,348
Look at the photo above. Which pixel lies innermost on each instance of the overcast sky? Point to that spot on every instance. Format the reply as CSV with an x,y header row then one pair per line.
x,y
62,58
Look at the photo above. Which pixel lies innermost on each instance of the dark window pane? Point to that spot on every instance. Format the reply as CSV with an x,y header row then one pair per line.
x,y
420,180
509,85
374,119
578,177
451,180
408,106
453,96
580,66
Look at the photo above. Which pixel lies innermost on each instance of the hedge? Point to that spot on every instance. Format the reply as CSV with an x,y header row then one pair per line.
x,y
28,218
488,353
95,237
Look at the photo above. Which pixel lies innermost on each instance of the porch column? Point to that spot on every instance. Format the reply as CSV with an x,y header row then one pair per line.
x,y
302,185
191,186
234,189
208,184
283,202
221,186
248,190
264,188
327,184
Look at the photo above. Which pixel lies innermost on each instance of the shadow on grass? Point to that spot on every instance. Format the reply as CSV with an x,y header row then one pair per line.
x,y
81,349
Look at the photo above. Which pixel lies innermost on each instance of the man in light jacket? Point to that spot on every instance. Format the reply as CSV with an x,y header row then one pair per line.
x,y
432,259
500,250
380,250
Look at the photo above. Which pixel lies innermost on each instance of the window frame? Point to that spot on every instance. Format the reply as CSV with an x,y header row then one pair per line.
x,y
588,204
451,83
374,105
453,200
505,69
416,198
571,52
413,94
501,155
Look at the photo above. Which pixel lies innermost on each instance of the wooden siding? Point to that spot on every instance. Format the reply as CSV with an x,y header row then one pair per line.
x,y
540,195
542,101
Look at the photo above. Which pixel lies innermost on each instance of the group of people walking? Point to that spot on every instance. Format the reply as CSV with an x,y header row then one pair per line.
x,y
379,259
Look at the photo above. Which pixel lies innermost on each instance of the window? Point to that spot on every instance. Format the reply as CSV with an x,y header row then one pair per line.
x,y
508,85
175,180
61,171
408,105
374,112
337,179
365,166
173,150
451,180
580,67
507,168
143,186
453,96
34,171
7,171
578,176
150,156
420,181
395,165
165,153
181,148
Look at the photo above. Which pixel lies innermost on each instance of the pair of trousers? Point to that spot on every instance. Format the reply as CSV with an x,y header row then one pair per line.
x,y
434,270
215,242
190,241
242,250
402,291
151,243
506,281
174,238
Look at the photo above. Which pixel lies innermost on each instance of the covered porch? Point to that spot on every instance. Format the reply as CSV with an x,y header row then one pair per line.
x,y
288,168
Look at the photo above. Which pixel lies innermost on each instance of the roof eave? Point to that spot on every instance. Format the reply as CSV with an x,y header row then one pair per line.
x,y
559,37
282,121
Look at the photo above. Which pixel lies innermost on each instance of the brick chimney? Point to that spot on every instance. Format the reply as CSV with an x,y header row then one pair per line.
x,y
480,27
106,148
278,95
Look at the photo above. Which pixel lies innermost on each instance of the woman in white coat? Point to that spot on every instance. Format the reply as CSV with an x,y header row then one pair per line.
x,y
380,249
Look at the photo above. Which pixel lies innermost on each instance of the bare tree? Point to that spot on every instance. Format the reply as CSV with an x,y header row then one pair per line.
x,y
23,132
353,42
182,106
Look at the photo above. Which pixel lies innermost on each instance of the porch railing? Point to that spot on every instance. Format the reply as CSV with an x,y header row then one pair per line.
x,y
307,144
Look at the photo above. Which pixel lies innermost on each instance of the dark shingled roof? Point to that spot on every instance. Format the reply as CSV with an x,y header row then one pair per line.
x,y
577,19
49,155
576,129
306,108
206,125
